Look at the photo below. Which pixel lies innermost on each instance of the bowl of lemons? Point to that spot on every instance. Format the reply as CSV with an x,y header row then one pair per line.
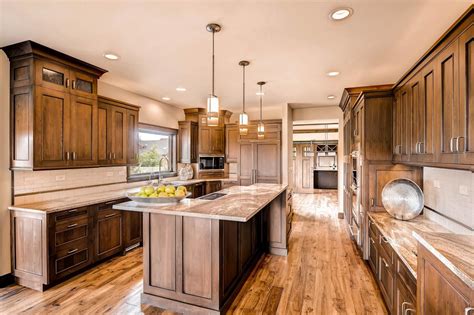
x,y
163,194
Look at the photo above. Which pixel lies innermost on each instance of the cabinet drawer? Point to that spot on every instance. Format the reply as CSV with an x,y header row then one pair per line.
x,y
386,248
71,215
405,276
76,256
107,213
386,279
71,231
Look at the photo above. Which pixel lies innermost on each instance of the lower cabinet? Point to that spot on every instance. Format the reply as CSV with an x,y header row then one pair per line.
x,y
49,247
397,284
213,186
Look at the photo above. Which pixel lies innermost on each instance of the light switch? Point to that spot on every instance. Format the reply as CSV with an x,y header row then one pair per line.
x,y
60,178
464,190
436,184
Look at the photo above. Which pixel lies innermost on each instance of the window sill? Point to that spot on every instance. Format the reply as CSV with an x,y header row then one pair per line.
x,y
145,177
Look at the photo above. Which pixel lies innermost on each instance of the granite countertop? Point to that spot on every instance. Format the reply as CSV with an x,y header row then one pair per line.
x,y
400,234
240,204
455,251
66,203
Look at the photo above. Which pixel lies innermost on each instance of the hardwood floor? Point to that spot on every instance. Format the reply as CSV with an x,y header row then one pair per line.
x,y
321,275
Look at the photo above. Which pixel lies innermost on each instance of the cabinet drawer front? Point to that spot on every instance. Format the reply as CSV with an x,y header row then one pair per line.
x,y
386,280
76,256
107,213
386,249
69,232
405,276
373,229
71,215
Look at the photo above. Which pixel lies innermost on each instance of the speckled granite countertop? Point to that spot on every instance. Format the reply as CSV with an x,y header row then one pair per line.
x,y
90,199
456,251
240,204
400,234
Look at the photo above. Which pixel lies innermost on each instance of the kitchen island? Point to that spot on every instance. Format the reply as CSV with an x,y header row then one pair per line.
x,y
197,254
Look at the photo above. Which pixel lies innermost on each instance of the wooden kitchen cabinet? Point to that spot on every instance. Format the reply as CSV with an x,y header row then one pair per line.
x,y
132,231
255,166
434,98
108,231
213,186
211,140
232,146
115,132
53,107
188,139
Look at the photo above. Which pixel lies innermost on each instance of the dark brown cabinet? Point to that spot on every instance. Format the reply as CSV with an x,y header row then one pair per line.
x,y
53,108
108,236
132,233
433,125
197,190
117,139
188,139
213,186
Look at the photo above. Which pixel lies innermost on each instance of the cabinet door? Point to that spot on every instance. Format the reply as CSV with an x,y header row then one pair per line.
x,y
232,144
417,123
83,84
132,228
83,131
104,139
426,147
217,140
448,87
132,140
188,141
373,254
357,125
119,135
246,164
397,126
108,234
52,76
405,303
51,128
267,164
465,140
386,280
205,145
405,126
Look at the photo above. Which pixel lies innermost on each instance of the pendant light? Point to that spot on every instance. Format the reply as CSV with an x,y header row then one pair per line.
x,y
213,100
261,125
243,117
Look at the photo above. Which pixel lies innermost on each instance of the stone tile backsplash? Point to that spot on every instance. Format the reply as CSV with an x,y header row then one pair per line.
x,y
27,182
451,193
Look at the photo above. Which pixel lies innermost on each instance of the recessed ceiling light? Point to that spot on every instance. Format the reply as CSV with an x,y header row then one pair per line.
x,y
331,97
340,14
111,56
260,93
165,98
333,73
180,89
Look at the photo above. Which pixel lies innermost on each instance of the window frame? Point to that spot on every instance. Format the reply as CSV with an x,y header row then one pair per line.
x,y
173,134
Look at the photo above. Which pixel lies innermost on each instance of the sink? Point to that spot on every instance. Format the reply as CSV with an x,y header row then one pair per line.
x,y
212,196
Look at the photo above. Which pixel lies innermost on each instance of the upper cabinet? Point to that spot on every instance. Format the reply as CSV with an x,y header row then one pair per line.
x,y
232,146
433,107
57,118
118,132
188,139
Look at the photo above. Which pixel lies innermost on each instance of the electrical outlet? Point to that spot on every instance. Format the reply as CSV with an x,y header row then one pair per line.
x,y
60,178
109,174
436,184
464,190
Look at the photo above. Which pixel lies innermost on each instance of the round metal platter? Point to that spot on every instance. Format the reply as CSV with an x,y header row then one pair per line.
x,y
403,199
156,200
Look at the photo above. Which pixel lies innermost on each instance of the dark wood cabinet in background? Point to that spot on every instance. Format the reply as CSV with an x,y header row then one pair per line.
x,y
188,139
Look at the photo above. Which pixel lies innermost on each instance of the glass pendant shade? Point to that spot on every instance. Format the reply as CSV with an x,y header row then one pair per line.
x,y
243,123
261,130
212,105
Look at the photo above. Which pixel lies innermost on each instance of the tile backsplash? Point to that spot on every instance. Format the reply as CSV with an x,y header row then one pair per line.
x,y
28,182
451,194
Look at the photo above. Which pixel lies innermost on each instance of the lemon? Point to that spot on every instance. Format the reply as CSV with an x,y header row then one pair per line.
x,y
162,194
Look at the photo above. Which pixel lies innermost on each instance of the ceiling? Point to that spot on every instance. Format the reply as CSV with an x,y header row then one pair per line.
x,y
290,44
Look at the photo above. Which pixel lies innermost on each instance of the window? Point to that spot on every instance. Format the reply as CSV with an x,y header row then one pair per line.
x,y
155,144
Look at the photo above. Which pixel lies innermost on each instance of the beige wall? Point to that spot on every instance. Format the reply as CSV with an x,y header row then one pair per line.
x,y
287,145
5,174
325,113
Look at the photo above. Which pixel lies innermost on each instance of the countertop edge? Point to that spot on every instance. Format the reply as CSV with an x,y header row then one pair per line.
x,y
458,272
395,247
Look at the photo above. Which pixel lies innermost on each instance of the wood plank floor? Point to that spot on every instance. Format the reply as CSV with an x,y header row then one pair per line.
x,y
321,275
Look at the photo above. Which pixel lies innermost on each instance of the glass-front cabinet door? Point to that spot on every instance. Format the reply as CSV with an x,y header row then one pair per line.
x,y
52,76
83,84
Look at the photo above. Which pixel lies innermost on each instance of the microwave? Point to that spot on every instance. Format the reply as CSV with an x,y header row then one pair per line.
x,y
211,162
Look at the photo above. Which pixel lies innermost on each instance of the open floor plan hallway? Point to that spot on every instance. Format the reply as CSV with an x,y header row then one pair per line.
x,y
322,275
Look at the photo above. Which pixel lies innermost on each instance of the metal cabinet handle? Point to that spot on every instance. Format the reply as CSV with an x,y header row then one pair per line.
x,y
73,84
409,310
384,239
385,262
71,251
451,146
72,225
67,83
372,202
73,156
110,215
67,156
457,144
113,154
467,310
72,211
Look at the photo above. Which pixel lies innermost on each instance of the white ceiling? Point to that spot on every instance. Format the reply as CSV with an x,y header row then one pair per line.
x,y
290,44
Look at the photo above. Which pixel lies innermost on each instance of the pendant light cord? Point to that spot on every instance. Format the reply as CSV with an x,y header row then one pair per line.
x,y
260,103
243,88
213,32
